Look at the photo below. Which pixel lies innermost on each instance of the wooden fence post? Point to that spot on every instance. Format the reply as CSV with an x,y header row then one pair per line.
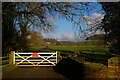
x,y
11,58
56,57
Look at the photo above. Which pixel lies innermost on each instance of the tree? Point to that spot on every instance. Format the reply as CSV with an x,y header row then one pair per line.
x,y
8,29
21,16
111,24
97,39
35,39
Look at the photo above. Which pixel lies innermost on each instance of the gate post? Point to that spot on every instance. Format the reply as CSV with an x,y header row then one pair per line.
x,y
12,58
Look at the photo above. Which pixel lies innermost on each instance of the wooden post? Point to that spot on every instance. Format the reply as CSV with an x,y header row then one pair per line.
x,y
12,58
56,57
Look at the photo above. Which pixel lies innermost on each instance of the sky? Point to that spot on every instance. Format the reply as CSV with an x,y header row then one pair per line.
x,y
64,30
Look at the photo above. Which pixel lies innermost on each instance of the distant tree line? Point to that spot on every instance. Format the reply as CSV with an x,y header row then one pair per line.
x,y
50,40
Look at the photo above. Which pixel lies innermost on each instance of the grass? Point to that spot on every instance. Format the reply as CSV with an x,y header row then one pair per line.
x,y
5,65
92,69
84,51
94,66
100,56
3,57
114,61
36,49
96,54
80,48
5,62
7,68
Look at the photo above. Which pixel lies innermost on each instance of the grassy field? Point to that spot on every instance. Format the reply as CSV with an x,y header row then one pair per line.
x,y
92,53
80,48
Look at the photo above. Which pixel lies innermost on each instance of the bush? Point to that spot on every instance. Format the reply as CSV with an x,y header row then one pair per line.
x,y
59,57
114,61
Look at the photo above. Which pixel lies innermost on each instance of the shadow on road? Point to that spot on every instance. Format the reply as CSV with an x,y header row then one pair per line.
x,y
70,68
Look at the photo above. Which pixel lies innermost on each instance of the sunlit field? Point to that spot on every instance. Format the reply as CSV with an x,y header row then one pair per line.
x,y
80,48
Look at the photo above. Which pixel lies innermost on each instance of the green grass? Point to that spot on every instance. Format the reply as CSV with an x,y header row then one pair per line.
x,y
34,49
79,48
93,53
5,65
7,68
3,57
37,49
4,62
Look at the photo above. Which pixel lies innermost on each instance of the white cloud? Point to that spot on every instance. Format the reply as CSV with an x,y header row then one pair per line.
x,y
67,37
63,37
97,15
94,18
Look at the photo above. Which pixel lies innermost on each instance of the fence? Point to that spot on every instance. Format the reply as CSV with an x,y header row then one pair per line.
x,y
33,59
4,60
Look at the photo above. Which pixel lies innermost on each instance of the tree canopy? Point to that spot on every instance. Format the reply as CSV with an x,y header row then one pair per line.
x,y
19,17
111,25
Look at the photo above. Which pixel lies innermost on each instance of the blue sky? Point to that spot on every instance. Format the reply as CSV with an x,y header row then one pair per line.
x,y
64,29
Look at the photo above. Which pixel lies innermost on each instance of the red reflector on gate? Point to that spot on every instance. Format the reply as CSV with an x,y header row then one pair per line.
x,y
35,55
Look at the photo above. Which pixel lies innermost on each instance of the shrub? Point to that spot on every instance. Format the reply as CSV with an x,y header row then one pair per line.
x,y
59,57
114,61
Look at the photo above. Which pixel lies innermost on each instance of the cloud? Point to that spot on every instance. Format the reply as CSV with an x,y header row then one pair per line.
x,y
97,15
67,37
62,37
94,19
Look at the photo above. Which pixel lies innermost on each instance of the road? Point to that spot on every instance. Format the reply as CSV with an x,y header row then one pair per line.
x,y
33,73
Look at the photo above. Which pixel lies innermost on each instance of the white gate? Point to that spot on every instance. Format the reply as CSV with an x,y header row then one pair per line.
x,y
35,59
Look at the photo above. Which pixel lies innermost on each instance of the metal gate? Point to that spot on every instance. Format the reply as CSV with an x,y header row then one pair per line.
x,y
35,59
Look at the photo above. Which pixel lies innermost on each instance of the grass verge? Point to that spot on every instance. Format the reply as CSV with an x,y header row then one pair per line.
x,y
7,68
